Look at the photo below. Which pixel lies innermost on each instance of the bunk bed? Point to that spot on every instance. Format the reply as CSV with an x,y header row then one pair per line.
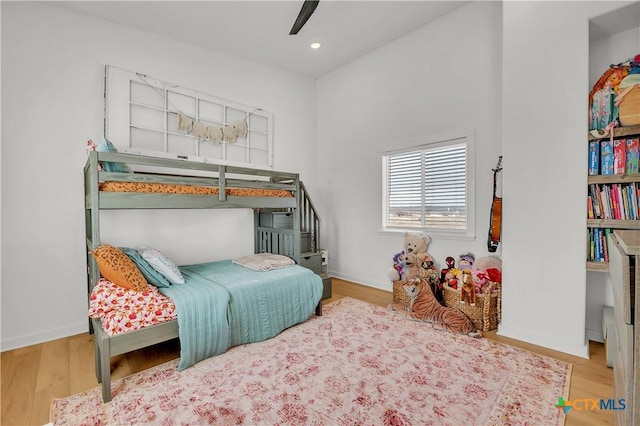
x,y
174,184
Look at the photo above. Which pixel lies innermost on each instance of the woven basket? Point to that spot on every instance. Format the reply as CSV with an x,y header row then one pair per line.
x,y
629,110
400,296
485,314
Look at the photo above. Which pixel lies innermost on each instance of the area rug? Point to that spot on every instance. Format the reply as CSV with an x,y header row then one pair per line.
x,y
357,364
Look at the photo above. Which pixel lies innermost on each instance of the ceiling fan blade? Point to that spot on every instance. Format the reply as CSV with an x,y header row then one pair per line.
x,y
305,13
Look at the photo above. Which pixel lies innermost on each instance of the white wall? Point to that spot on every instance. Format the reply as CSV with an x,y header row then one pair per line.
x,y
546,80
602,53
612,50
443,79
462,72
52,84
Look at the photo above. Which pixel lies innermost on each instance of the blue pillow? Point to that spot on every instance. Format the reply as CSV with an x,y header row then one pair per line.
x,y
153,277
110,166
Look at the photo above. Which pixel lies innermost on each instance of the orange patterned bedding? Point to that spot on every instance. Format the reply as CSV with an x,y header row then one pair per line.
x,y
122,310
167,188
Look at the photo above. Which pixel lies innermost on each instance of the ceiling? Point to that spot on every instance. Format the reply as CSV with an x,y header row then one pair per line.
x,y
259,30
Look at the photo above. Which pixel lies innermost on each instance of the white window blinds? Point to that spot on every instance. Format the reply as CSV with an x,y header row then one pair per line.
x,y
426,188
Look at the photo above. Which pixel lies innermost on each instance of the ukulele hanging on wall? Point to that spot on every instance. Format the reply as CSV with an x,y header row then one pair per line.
x,y
495,220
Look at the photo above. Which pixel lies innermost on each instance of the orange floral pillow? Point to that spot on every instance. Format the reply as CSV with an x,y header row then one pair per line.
x,y
116,266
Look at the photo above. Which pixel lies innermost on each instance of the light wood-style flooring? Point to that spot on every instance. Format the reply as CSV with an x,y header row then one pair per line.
x,y
33,375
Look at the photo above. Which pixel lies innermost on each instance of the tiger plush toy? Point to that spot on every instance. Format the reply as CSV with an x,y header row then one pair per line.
x,y
423,306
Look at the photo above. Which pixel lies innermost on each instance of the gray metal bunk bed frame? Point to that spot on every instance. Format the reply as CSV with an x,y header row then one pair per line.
x,y
169,171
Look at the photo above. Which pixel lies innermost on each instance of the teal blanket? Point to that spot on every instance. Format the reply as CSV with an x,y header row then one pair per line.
x,y
262,304
223,305
203,328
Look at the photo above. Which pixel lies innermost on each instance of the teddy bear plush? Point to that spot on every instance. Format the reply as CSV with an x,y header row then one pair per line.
x,y
414,243
418,265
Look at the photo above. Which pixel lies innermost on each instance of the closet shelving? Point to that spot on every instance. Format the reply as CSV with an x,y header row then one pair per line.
x,y
619,132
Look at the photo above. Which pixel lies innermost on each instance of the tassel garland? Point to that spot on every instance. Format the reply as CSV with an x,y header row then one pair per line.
x,y
214,134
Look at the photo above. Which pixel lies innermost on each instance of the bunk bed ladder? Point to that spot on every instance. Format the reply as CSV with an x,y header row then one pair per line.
x,y
312,253
296,238
309,219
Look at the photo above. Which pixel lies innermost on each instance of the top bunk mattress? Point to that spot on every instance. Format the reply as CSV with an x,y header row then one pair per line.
x,y
168,188
169,183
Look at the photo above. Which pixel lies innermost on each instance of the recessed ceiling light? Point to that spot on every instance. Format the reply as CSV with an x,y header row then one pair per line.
x,y
315,45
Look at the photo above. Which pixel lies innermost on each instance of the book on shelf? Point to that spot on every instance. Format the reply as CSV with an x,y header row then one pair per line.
x,y
606,157
633,156
625,203
619,206
594,158
606,205
596,200
613,193
617,201
597,245
619,156
633,201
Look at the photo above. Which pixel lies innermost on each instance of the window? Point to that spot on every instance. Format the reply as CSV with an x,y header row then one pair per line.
x,y
141,117
429,187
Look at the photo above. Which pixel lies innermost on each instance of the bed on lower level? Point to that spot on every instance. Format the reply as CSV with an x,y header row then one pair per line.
x,y
220,305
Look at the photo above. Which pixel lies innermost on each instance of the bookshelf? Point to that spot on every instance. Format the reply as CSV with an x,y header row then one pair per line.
x,y
616,196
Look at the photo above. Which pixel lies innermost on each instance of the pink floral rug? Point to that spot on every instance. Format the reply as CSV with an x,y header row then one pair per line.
x,y
357,364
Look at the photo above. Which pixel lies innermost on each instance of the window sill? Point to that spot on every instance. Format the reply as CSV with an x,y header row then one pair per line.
x,y
430,232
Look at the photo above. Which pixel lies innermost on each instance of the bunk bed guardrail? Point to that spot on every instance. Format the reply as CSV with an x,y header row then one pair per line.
x,y
309,219
182,172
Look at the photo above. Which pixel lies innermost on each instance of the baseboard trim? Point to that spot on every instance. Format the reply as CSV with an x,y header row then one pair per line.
x,y
357,280
595,335
545,341
45,336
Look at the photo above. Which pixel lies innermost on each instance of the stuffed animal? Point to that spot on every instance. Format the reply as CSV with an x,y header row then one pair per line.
x,y
425,307
420,265
415,242
468,290
453,277
479,278
415,262
399,270
486,262
494,275
466,261
431,275
451,263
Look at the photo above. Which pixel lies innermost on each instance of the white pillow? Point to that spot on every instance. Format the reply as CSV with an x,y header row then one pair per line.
x,y
162,264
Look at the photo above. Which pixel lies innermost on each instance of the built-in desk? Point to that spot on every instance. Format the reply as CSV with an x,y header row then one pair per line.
x,y
624,256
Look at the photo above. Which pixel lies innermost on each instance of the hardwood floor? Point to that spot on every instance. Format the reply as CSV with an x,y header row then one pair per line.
x,y
32,376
